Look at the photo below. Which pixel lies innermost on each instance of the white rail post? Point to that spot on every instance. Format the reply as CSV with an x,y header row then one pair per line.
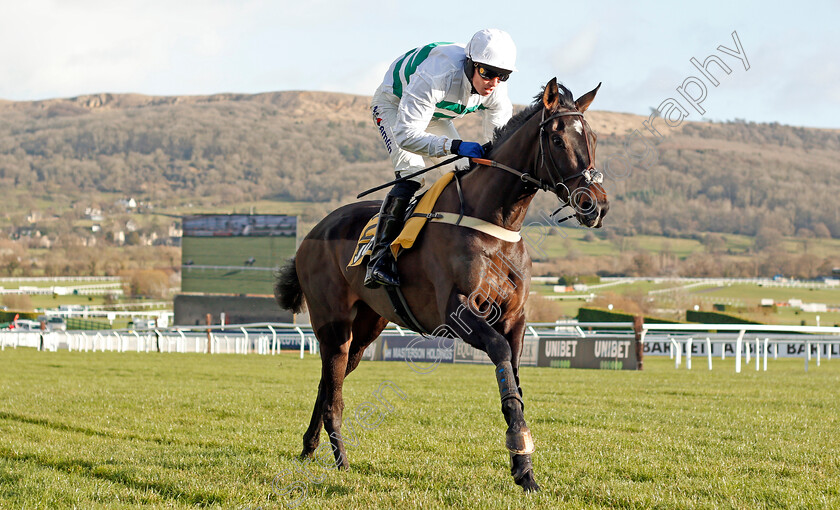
x,y
676,346
302,340
102,348
766,340
776,350
747,350
671,345
819,349
689,346
246,345
679,354
273,340
807,353
137,338
709,351
738,348
181,346
757,354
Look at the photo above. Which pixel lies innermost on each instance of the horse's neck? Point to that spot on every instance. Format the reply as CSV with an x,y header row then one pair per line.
x,y
498,196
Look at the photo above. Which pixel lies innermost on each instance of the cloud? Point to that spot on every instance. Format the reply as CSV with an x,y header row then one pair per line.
x,y
577,53
62,49
363,81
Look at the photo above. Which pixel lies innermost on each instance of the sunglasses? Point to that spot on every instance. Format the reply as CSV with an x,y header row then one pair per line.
x,y
489,73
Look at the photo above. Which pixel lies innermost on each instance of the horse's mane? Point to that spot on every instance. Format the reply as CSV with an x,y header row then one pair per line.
x,y
500,135
503,133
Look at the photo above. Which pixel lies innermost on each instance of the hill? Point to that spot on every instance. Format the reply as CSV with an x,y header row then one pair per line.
x,y
734,177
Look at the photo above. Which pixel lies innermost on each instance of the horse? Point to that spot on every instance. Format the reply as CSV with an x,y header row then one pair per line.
x,y
455,273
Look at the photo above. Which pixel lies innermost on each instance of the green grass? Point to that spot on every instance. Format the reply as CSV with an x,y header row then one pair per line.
x,y
107,430
570,240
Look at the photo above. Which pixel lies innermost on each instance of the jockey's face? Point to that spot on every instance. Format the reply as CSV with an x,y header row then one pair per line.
x,y
482,86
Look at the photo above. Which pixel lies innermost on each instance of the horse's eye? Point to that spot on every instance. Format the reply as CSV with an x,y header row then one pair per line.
x,y
557,140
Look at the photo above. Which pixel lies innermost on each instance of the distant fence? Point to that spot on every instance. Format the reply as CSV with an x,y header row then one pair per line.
x,y
56,279
605,345
722,282
263,338
742,341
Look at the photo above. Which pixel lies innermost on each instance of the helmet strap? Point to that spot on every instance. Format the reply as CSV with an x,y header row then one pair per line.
x,y
469,70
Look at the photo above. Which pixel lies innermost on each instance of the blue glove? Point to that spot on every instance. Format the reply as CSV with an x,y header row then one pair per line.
x,y
468,149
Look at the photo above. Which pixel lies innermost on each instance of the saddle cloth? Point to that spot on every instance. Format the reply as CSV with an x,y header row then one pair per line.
x,y
411,229
418,217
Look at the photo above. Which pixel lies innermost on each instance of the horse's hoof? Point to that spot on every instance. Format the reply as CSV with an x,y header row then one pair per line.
x,y
523,472
307,453
520,443
528,483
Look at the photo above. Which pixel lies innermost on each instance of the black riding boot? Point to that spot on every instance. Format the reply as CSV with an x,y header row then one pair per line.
x,y
381,269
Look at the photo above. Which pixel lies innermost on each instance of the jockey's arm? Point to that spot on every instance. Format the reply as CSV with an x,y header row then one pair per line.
x,y
498,112
416,109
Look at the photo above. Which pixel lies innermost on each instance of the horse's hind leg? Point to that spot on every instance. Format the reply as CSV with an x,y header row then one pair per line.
x,y
339,357
367,325
335,346
312,436
333,339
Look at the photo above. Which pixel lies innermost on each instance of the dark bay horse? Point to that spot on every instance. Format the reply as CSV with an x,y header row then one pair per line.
x,y
454,275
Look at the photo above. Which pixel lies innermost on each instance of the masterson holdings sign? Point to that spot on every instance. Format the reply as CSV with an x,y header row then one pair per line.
x,y
602,352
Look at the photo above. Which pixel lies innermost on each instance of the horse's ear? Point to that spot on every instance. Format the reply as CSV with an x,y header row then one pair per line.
x,y
551,95
583,102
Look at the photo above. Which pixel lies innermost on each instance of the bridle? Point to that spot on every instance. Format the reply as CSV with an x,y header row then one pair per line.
x,y
590,174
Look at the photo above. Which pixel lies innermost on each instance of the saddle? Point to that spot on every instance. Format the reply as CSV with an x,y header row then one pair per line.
x,y
418,214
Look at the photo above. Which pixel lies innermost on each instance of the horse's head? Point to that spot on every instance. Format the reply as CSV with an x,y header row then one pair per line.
x,y
567,151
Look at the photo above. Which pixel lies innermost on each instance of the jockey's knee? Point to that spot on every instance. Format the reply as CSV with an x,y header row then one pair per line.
x,y
405,189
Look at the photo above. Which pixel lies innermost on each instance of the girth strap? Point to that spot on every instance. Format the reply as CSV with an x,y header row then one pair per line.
x,y
401,308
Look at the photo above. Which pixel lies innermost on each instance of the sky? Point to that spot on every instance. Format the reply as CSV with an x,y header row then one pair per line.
x,y
641,51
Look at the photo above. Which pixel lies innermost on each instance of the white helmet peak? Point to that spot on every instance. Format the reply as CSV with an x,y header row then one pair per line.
x,y
493,47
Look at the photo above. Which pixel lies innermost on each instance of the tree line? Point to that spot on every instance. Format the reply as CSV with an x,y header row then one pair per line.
x,y
734,177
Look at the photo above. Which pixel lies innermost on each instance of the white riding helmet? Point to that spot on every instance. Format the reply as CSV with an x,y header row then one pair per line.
x,y
493,47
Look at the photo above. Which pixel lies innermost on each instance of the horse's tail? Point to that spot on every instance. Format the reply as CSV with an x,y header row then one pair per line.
x,y
287,289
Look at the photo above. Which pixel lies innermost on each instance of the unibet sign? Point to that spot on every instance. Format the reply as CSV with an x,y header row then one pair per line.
x,y
609,353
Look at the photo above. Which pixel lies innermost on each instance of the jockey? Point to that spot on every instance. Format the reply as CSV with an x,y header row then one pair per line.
x,y
413,109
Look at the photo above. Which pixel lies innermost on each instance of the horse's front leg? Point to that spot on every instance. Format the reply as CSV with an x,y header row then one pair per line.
x,y
474,326
521,467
